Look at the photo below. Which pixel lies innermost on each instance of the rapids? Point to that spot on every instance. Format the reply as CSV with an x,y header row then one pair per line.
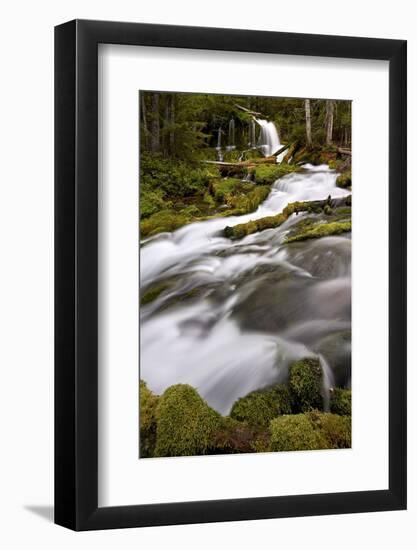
x,y
234,314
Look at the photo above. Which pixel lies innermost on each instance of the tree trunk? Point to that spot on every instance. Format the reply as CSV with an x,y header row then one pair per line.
x,y
329,121
144,121
172,133
308,122
155,124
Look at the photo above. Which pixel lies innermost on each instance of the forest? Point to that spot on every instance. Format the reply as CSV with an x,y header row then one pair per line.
x,y
245,274
180,131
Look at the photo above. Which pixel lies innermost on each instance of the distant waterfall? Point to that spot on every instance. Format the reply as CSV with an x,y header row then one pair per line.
x,y
231,144
219,145
219,138
252,135
269,142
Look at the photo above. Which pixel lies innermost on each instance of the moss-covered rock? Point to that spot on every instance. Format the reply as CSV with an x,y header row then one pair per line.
x,y
267,174
295,433
306,385
153,292
260,407
341,401
310,431
344,180
336,429
271,222
239,437
185,423
321,230
148,403
336,349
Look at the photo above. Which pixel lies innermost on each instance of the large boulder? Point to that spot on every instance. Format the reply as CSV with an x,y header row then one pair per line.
x,y
185,423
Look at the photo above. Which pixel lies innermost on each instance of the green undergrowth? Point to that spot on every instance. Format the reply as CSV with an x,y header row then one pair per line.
x,y
284,417
175,193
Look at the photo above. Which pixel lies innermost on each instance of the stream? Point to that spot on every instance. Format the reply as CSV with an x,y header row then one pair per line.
x,y
235,314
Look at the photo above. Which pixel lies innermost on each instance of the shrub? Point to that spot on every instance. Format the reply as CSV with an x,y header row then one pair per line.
x,y
305,385
260,407
185,423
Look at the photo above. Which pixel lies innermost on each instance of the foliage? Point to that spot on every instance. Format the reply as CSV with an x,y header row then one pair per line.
x,y
306,385
185,423
148,402
164,179
260,407
341,402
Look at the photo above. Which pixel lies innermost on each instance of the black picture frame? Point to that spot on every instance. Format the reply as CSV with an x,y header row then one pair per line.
x,y
76,272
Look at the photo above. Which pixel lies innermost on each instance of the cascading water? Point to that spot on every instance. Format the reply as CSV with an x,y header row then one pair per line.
x,y
231,144
252,135
269,139
235,314
219,145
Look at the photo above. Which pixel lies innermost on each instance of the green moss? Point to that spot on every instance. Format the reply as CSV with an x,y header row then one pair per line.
x,y
267,174
321,230
341,402
148,403
152,293
295,433
306,385
344,180
270,222
310,431
185,423
260,407
222,188
164,221
337,430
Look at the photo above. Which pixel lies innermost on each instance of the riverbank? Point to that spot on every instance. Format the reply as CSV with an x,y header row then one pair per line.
x,y
290,416
173,194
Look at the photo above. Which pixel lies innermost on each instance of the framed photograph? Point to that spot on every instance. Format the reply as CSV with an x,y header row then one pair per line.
x,y
230,244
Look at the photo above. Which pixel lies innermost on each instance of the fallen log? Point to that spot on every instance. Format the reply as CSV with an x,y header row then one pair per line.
x,y
253,113
271,222
344,151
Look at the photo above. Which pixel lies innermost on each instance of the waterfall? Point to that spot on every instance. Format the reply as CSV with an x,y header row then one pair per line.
x,y
219,145
269,139
231,144
252,135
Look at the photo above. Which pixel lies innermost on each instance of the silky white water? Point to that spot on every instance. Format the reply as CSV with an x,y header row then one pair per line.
x,y
235,314
269,139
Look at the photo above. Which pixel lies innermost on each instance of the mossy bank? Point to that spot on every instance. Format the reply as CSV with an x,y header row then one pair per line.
x,y
284,417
